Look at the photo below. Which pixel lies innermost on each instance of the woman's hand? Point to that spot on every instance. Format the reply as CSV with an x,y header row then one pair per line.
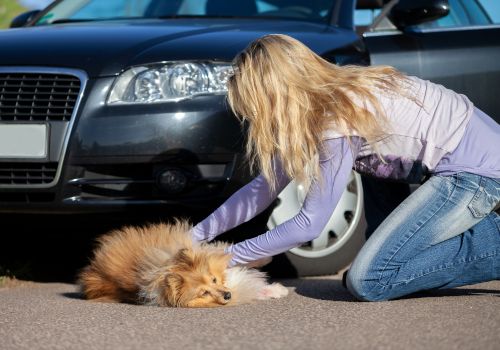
x,y
259,262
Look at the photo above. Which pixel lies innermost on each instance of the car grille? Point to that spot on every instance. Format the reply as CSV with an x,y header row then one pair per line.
x,y
37,97
27,173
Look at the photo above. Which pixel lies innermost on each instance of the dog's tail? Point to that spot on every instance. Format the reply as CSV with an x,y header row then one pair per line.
x,y
94,287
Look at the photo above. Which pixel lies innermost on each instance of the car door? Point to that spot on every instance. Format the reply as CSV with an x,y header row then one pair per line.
x,y
460,51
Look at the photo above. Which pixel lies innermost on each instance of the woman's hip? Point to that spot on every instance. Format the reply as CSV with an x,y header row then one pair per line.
x,y
443,207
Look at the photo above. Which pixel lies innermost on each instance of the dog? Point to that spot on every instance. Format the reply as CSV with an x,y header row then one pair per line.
x,y
160,264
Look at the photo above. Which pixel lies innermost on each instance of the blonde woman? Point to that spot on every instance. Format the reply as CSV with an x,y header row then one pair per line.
x,y
313,121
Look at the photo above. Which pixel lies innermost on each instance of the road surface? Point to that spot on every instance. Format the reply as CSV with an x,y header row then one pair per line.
x,y
317,314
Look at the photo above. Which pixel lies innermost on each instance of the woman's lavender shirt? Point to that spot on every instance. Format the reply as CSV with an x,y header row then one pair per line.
x,y
477,152
335,166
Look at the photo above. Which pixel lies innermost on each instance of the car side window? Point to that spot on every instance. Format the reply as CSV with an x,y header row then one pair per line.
x,y
492,9
463,13
365,17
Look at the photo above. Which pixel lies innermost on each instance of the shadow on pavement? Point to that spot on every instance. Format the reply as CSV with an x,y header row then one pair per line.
x,y
318,288
54,248
464,291
327,289
73,295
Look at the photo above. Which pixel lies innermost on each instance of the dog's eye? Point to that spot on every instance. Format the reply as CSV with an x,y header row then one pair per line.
x,y
205,293
214,280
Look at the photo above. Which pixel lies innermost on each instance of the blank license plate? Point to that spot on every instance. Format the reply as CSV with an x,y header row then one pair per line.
x,y
23,140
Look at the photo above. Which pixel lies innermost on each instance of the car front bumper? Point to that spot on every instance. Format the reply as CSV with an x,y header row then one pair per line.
x,y
116,157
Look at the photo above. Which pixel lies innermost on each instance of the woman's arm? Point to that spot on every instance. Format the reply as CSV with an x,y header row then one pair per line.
x,y
243,205
317,209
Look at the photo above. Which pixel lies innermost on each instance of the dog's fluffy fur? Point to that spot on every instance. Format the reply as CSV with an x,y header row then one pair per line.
x,y
160,265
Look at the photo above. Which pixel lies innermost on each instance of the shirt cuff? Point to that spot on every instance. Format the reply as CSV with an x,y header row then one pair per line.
x,y
198,235
229,250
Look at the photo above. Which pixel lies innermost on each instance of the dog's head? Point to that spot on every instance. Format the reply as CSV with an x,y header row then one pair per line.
x,y
196,279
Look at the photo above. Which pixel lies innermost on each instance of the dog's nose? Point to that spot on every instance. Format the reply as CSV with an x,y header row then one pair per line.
x,y
227,295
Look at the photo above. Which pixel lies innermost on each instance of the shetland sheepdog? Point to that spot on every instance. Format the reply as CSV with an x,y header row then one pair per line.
x,y
159,264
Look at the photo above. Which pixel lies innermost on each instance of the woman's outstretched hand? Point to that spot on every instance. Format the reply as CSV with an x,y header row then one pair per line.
x,y
259,262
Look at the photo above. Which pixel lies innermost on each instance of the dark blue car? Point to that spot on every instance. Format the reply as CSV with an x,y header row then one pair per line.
x,y
120,104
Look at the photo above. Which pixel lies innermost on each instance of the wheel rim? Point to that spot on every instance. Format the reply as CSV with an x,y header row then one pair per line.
x,y
341,225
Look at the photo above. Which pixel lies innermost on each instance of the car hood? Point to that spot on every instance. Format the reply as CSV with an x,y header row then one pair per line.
x,y
107,48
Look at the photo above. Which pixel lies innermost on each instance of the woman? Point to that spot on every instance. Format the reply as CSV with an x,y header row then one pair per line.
x,y
313,121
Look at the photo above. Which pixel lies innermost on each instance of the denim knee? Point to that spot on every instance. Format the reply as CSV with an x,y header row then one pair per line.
x,y
364,289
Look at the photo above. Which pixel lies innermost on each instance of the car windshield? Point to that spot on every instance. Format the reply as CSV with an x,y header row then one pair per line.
x,y
99,10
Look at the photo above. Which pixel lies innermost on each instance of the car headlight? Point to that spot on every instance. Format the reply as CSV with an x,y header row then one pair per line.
x,y
171,81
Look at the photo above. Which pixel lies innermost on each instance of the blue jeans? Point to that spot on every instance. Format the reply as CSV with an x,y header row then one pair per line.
x,y
444,235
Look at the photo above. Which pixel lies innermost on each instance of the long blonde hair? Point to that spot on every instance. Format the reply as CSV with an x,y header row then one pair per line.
x,y
290,96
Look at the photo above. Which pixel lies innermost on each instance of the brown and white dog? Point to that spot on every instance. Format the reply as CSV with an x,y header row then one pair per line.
x,y
160,265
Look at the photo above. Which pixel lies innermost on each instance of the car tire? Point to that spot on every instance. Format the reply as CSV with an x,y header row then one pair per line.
x,y
342,237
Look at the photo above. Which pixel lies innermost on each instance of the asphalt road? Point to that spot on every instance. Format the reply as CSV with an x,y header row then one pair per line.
x,y
317,314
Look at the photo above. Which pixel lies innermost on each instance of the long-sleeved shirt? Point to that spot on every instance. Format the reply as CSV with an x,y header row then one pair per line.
x,y
445,134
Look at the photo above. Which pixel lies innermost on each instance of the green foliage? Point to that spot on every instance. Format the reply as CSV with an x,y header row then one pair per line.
x,y
15,269
8,10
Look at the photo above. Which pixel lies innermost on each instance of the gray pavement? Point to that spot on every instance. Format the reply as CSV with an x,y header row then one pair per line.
x,y
318,314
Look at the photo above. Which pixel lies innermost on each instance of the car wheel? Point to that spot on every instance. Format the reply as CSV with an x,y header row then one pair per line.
x,y
342,237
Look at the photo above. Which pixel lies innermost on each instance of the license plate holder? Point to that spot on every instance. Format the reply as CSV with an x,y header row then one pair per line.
x,y
26,141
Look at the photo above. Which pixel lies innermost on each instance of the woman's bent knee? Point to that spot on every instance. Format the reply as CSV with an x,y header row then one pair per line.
x,y
359,288
364,289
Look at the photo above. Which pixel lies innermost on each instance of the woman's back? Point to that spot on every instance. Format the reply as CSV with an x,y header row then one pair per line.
x,y
426,126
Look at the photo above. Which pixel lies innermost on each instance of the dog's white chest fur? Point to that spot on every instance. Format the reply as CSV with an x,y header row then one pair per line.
x,y
251,284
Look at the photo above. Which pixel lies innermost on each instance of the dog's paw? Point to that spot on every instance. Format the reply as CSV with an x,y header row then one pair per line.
x,y
272,291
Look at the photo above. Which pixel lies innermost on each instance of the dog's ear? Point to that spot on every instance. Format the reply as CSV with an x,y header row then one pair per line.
x,y
220,260
184,257
173,283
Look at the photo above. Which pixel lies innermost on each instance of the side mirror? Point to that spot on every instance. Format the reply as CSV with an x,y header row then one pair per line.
x,y
23,18
410,12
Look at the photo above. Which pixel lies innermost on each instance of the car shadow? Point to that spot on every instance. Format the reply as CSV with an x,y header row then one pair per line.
x,y
72,295
327,289
318,288
439,293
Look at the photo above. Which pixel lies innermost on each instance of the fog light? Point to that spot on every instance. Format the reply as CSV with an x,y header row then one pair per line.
x,y
172,180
